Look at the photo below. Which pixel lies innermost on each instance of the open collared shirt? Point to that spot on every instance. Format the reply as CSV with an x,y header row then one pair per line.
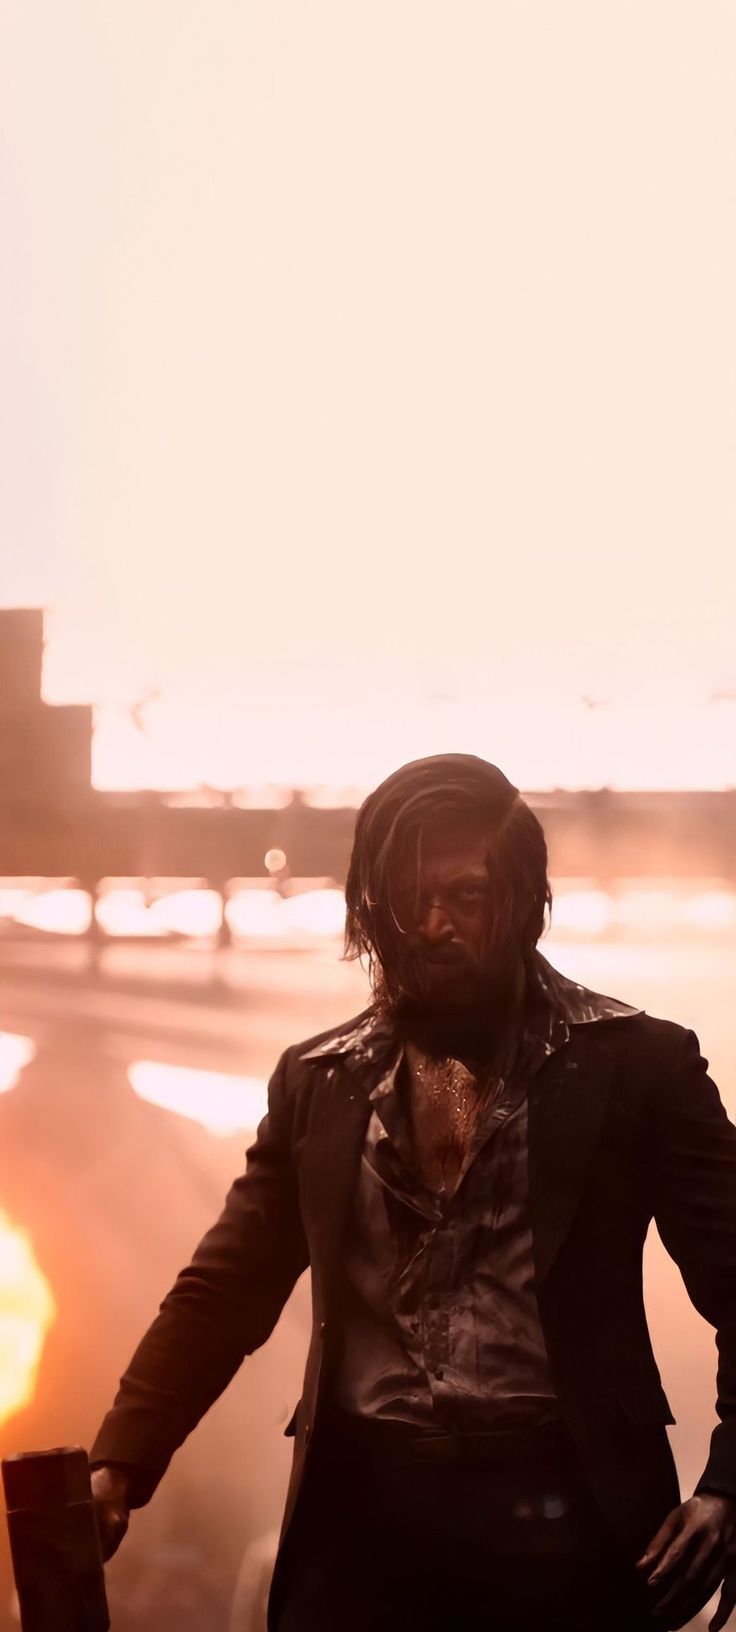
x,y
442,1327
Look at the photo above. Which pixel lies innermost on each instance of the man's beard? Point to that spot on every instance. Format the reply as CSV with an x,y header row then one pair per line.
x,y
463,1009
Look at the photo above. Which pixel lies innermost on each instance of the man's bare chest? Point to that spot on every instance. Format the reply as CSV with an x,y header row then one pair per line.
x,y
445,1100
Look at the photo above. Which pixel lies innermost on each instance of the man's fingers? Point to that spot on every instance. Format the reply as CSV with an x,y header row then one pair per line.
x,y
684,1604
702,1562
672,1557
112,1525
661,1540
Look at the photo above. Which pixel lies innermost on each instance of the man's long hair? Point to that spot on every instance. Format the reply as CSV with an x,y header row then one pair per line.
x,y
418,796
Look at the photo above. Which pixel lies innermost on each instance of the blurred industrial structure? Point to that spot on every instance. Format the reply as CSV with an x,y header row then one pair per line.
x,y
54,824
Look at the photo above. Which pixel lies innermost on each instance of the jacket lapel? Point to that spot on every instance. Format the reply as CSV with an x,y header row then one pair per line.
x,y
339,1115
568,1099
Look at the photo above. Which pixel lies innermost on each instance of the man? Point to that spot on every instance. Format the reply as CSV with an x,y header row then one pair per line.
x,y
470,1168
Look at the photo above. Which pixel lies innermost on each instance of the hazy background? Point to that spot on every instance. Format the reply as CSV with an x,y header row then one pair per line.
x,y
366,391
368,381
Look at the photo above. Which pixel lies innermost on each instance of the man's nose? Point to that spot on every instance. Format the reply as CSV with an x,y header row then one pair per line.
x,y
436,924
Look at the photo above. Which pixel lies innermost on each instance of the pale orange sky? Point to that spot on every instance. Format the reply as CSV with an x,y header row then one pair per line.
x,y
367,382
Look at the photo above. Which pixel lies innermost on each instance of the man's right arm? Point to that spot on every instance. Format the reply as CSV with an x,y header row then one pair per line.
x,y
220,1308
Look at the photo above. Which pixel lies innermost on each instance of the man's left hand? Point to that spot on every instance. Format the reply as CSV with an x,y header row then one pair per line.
x,y
691,1554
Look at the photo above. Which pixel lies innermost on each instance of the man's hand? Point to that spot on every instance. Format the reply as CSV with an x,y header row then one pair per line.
x,y
110,1495
691,1554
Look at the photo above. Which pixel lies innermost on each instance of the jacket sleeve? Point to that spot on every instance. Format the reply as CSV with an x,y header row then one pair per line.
x,y
695,1213
220,1308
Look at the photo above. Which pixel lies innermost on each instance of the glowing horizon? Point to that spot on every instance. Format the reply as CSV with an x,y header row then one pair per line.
x,y
676,747
565,743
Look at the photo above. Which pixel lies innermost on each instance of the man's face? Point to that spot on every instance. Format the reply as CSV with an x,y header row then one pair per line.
x,y
452,983
443,901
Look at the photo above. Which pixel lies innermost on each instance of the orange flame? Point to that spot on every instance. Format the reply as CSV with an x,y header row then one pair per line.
x,y
27,1310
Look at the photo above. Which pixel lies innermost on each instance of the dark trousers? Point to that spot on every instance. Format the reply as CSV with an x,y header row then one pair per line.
x,y
401,1532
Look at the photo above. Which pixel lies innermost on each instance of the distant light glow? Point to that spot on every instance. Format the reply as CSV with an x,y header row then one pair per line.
x,y
27,1310
220,1103
269,797
274,860
304,916
15,1053
633,909
188,912
653,911
328,796
254,913
59,912
316,912
710,910
126,912
11,901
182,912
196,799
583,912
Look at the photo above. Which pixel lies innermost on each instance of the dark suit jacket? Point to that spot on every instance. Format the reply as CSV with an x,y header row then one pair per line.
x,y
624,1125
